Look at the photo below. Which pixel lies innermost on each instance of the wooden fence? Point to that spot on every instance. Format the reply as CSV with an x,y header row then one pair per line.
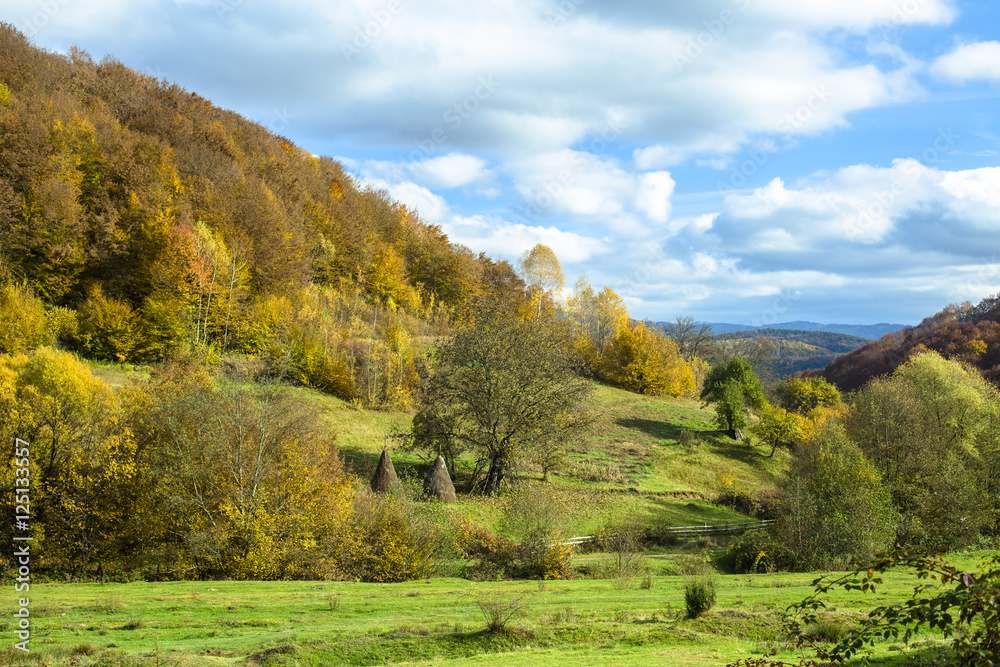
x,y
691,531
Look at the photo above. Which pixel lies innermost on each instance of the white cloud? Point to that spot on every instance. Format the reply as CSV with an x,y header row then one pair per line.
x,y
857,15
449,171
504,239
653,196
978,60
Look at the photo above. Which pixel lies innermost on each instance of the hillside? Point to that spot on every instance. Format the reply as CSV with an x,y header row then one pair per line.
x,y
866,331
796,351
118,185
968,333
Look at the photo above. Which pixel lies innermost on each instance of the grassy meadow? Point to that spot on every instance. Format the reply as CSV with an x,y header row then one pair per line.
x,y
632,468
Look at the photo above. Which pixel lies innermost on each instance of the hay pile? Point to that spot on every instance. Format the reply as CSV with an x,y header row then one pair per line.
x,y
385,480
438,483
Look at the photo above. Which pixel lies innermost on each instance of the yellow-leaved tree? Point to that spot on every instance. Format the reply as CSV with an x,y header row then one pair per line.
x,y
541,270
595,318
642,359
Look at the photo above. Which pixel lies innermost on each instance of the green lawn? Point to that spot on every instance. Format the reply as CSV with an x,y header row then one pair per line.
x,y
582,621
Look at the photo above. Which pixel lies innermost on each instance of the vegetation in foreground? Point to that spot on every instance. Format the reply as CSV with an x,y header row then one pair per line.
x,y
633,621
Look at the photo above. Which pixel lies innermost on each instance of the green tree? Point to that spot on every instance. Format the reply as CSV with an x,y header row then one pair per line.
x,y
733,387
498,386
835,504
932,429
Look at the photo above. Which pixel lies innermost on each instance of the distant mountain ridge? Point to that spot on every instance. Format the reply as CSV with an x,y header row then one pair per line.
x,y
799,350
866,331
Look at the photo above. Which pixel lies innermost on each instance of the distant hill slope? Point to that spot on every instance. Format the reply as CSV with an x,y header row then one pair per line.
x,y
798,350
968,333
866,331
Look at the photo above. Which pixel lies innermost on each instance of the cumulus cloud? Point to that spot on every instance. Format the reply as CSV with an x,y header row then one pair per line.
x,y
977,60
588,126
449,171
653,196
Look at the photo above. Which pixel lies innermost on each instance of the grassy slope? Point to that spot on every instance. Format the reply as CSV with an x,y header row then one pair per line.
x,y
584,621
655,481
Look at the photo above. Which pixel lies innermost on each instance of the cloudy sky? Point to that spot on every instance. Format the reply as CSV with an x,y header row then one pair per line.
x,y
746,161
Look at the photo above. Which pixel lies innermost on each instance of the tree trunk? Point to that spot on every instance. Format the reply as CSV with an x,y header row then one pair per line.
x,y
496,475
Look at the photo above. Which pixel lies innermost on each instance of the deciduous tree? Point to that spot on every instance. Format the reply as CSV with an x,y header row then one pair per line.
x,y
498,386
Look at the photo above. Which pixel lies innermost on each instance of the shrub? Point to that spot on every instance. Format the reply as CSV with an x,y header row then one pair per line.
x,y
558,562
109,329
699,596
24,320
757,551
688,440
499,608
390,543
493,556
763,505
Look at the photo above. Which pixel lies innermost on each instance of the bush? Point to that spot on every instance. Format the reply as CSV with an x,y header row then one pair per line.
x,y
757,551
24,320
699,596
109,329
390,543
499,608
763,505
688,440
494,557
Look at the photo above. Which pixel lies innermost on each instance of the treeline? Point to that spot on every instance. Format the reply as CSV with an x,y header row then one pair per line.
x,y
911,458
965,332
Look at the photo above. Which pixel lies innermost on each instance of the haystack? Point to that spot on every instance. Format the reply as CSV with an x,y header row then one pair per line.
x,y
385,480
438,483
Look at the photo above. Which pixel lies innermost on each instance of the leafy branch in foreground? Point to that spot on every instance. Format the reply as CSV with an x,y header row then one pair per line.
x,y
963,606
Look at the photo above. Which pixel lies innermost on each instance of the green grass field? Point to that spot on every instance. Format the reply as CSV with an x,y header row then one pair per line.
x,y
630,469
434,622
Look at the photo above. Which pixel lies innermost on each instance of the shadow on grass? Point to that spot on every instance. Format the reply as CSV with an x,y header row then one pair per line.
x,y
654,427
363,463
721,444
671,512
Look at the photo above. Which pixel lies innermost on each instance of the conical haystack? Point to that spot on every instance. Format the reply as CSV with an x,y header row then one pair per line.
x,y
438,483
384,480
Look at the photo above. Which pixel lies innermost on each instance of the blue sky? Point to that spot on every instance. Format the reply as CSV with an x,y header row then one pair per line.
x,y
747,161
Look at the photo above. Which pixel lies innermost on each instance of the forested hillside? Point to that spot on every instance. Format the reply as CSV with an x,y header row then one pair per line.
x,y
800,350
966,332
154,222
